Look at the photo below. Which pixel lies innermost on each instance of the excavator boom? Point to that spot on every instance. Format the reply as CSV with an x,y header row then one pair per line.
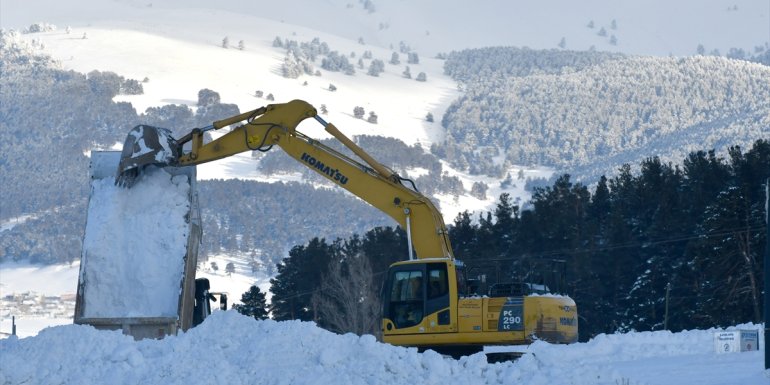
x,y
276,124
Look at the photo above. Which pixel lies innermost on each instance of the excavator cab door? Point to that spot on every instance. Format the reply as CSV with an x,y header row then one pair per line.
x,y
417,294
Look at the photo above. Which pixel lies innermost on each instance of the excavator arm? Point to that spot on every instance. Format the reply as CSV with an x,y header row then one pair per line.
x,y
275,125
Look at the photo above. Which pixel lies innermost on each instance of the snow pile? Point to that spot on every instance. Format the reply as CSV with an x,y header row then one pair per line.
x,y
134,246
229,348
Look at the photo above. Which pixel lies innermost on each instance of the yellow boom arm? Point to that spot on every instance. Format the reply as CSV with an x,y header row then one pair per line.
x,y
276,124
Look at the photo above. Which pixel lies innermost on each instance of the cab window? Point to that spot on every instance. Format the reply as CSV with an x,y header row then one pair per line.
x,y
437,282
406,298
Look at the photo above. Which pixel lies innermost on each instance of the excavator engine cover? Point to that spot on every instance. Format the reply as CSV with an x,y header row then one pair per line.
x,y
144,146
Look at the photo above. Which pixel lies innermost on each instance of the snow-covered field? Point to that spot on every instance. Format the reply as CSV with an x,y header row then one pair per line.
x,y
229,348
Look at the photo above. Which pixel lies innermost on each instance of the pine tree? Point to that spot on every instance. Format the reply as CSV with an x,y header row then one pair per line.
x,y
253,304
207,97
506,218
376,67
394,59
479,190
731,260
298,276
407,73
462,235
659,262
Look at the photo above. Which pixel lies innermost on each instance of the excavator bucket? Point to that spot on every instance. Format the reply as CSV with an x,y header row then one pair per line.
x,y
144,146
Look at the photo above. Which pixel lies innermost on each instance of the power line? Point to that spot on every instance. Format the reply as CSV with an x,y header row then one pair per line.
x,y
648,243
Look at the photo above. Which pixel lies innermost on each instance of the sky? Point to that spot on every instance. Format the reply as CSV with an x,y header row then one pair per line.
x,y
651,27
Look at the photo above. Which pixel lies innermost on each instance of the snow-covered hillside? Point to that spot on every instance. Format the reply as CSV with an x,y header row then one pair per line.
x,y
229,348
177,46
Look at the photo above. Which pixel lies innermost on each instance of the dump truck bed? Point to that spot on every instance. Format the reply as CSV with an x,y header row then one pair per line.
x,y
140,250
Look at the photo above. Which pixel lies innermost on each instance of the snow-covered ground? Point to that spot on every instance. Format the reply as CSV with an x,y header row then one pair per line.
x,y
237,283
229,348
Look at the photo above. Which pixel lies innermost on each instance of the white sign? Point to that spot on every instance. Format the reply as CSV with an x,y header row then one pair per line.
x,y
736,341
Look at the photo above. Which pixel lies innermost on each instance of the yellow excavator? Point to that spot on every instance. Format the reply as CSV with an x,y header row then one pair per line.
x,y
427,302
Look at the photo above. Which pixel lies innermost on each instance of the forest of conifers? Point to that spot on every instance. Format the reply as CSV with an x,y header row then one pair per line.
x,y
694,234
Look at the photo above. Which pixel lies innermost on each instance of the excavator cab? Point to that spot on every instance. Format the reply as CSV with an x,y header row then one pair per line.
x,y
416,296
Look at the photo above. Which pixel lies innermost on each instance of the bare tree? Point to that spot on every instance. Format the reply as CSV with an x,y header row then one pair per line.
x,y
348,301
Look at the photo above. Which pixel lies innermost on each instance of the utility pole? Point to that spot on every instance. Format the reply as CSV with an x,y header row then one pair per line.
x,y
767,274
665,318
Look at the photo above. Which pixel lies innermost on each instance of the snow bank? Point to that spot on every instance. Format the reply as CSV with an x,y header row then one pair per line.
x,y
229,348
134,246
